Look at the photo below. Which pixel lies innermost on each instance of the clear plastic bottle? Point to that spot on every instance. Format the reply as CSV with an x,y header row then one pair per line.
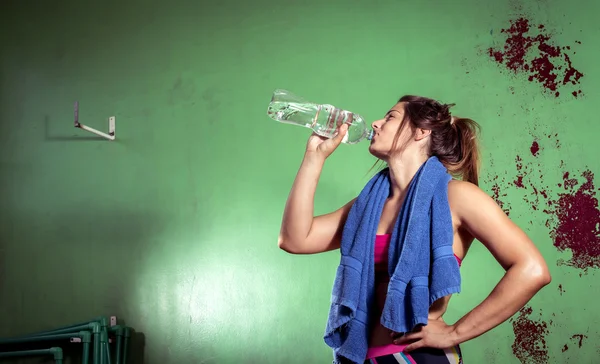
x,y
323,119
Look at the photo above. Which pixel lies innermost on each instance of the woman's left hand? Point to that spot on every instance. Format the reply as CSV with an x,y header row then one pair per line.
x,y
436,334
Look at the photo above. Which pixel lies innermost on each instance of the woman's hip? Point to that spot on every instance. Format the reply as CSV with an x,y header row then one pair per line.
x,y
451,355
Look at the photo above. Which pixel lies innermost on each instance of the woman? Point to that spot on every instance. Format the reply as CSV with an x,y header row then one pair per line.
x,y
414,130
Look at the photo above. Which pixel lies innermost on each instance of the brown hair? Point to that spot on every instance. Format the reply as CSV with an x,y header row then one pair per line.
x,y
453,139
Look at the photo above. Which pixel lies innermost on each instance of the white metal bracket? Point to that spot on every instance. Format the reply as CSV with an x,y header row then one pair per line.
x,y
111,125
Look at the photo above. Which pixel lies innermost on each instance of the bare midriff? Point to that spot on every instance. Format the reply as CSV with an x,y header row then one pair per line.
x,y
380,336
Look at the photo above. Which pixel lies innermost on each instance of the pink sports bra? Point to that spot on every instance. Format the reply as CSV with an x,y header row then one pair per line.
x,y
382,244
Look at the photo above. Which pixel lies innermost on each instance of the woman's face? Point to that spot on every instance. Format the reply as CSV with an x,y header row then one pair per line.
x,y
385,131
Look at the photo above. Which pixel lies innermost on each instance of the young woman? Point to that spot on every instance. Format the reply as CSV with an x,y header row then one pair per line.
x,y
412,131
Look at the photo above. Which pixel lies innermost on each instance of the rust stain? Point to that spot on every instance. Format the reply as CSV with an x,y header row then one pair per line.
x,y
577,339
575,221
572,212
529,345
528,49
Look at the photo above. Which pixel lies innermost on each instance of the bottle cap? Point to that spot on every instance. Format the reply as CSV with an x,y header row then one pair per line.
x,y
370,134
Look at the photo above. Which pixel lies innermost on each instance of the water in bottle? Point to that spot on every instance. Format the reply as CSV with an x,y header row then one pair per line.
x,y
323,119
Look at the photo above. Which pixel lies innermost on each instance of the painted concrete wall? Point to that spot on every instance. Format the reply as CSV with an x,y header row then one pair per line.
x,y
173,227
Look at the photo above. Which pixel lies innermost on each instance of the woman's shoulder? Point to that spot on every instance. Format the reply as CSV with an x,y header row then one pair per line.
x,y
458,188
468,200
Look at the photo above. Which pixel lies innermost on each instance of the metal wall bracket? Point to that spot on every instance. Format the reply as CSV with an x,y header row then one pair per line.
x,y
111,125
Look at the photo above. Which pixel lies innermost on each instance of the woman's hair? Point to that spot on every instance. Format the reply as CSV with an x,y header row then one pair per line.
x,y
453,139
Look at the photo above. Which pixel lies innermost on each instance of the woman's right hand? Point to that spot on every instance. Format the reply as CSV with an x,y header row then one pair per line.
x,y
322,147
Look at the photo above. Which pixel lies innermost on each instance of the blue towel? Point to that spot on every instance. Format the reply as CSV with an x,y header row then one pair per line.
x,y
421,266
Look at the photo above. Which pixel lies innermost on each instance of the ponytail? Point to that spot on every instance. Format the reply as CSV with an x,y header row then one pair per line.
x,y
466,161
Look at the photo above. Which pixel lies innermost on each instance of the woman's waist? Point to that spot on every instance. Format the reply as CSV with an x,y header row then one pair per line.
x,y
382,336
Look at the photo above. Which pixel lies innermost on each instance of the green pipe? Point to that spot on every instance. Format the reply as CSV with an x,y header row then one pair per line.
x,y
101,321
28,339
99,327
86,339
93,326
71,330
57,353
126,335
97,346
119,334
104,351
107,353
86,354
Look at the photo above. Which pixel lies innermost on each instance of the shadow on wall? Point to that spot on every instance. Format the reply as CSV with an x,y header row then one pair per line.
x,y
136,348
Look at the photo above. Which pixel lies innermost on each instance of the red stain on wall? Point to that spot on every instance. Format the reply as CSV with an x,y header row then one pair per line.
x,y
575,221
529,345
578,339
519,181
536,56
497,193
527,178
535,148
573,213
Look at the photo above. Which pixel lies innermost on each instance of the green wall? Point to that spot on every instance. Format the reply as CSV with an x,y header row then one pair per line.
x,y
173,226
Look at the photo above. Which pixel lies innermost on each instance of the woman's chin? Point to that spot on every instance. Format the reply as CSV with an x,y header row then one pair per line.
x,y
376,153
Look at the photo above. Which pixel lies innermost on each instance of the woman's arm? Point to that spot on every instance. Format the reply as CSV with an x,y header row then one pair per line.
x,y
301,232
526,270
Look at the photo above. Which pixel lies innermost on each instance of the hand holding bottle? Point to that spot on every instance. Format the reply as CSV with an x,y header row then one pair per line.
x,y
323,119
321,147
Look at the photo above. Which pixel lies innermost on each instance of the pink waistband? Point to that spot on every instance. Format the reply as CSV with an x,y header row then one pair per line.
x,y
389,349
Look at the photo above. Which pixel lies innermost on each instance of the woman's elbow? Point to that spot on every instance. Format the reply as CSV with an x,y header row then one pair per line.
x,y
284,244
545,278
538,273
281,242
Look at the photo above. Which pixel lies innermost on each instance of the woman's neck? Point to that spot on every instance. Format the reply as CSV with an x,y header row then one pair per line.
x,y
402,171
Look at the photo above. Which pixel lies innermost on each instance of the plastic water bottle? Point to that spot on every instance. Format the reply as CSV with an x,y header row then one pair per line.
x,y
323,119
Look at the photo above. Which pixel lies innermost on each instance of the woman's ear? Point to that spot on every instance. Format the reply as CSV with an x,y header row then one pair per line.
x,y
422,134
